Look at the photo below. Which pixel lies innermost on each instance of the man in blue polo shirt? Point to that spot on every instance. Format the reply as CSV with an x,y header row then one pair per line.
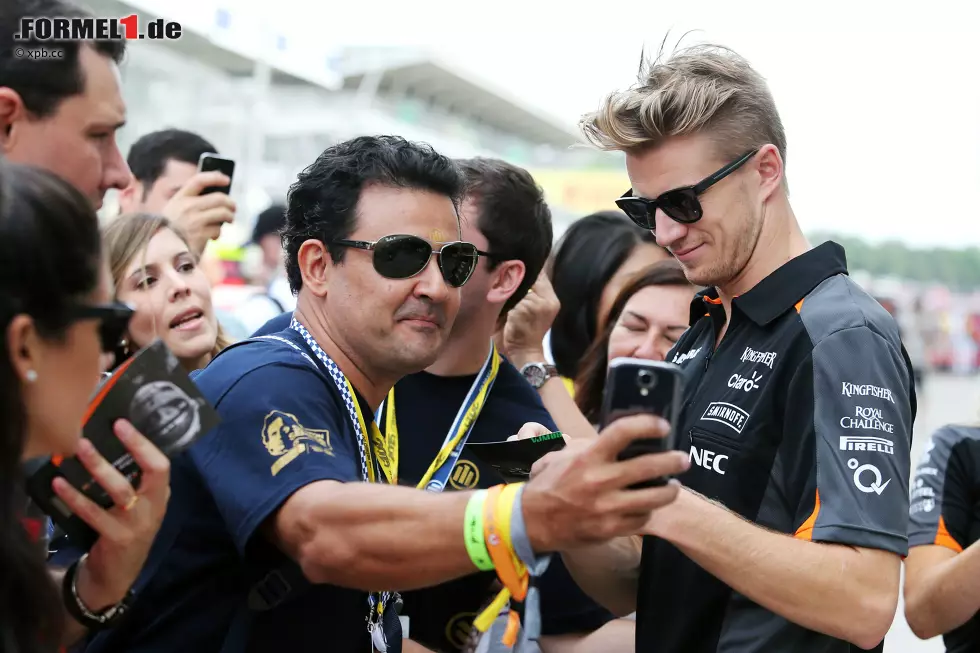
x,y
504,214
284,530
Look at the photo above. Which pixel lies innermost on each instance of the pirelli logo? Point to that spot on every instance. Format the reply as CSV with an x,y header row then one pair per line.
x,y
866,443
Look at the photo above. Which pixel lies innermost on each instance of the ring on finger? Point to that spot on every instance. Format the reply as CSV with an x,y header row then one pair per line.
x,y
132,502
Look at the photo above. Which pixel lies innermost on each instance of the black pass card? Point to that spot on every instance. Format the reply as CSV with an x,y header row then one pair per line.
x,y
153,392
512,459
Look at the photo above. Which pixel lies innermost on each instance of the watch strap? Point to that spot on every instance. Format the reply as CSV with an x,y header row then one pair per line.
x,y
81,613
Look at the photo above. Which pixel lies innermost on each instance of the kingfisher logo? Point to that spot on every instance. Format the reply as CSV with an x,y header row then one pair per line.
x,y
866,390
89,28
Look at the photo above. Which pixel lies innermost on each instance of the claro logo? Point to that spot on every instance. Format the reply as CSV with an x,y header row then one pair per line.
x,y
709,460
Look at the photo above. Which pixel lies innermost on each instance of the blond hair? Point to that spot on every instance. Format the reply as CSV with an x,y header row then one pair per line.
x,y
699,89
127,237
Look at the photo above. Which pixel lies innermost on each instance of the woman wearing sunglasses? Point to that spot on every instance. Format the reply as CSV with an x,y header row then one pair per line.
x,y
58,324
156,273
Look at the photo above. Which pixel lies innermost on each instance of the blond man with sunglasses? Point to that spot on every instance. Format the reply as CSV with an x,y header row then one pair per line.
x,y
799,401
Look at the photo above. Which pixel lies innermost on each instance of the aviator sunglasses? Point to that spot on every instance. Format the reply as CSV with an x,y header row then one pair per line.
x,y
402,256
113,321
679,204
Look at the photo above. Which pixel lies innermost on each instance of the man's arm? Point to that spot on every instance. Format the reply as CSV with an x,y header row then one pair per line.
x,y
343,534
618,635
941,588
846,592
844,457
609,572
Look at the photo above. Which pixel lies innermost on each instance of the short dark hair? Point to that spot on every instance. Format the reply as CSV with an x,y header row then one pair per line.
x,y
50,259
586,258
44,83
322,202
591,380
149,155
512,214
270,221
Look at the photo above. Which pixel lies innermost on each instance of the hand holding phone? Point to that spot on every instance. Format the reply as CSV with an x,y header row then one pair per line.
x,y
646,387
202,205
211,162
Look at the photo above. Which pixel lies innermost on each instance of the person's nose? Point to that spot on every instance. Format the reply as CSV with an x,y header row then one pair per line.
x,y
430,282
115,170
669,231
177,287
654,346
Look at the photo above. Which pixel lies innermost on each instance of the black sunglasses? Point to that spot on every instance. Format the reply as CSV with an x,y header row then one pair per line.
x,y
402,256
113,321
679,204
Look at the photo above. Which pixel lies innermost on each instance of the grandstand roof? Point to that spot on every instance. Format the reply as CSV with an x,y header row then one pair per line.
x,y
426,75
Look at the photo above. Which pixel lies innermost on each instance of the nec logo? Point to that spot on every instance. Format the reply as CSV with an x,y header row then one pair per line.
x,y
709,460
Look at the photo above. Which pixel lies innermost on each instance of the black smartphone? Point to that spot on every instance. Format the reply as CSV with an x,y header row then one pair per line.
x,y
210,161
635,386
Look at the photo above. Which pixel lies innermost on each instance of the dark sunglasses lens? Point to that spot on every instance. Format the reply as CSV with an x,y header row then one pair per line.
x,y
401,257
457,262
638,211
681,205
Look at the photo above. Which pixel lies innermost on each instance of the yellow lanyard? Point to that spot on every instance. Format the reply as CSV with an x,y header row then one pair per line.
x,y
463,426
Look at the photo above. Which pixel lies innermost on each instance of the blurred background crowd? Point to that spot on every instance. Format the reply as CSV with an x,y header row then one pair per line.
x,y
273,101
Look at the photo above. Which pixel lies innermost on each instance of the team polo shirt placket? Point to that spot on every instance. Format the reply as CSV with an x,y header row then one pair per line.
x,y
762,411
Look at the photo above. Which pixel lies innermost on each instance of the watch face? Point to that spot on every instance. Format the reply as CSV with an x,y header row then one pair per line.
x,y
535,375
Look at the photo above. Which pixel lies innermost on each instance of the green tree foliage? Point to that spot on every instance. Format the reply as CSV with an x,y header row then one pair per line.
x,y
958,269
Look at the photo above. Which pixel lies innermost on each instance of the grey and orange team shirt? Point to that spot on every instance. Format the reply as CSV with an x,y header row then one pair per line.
x,y
800,420
945,507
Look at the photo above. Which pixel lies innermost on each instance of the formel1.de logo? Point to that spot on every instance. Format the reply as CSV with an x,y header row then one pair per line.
x,y
88,28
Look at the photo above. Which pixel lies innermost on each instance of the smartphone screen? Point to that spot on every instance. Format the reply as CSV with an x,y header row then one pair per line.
x,y
209,162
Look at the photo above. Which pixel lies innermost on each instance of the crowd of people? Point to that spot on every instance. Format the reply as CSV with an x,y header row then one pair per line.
x,y
315,516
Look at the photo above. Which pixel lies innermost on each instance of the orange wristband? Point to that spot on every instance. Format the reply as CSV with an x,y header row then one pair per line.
x,y
502,556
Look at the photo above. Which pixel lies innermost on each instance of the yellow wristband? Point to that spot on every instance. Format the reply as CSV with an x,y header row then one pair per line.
x,y
476,545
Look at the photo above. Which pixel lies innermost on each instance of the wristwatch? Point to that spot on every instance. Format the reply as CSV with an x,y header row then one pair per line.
x,y
80,612
538,373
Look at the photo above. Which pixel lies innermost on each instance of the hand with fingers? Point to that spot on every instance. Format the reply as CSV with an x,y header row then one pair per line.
x,y
199,216
580,495
126,531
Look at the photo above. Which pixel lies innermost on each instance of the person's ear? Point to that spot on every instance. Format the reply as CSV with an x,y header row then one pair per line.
x,y
315,265
12,112
23,348
507,278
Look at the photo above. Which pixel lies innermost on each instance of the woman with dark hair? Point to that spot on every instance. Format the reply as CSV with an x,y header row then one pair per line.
x,y
58,323
649,315
645,320
593,259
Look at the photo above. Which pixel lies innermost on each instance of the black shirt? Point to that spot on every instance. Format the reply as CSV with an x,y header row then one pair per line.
x,y
800,421
945,508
